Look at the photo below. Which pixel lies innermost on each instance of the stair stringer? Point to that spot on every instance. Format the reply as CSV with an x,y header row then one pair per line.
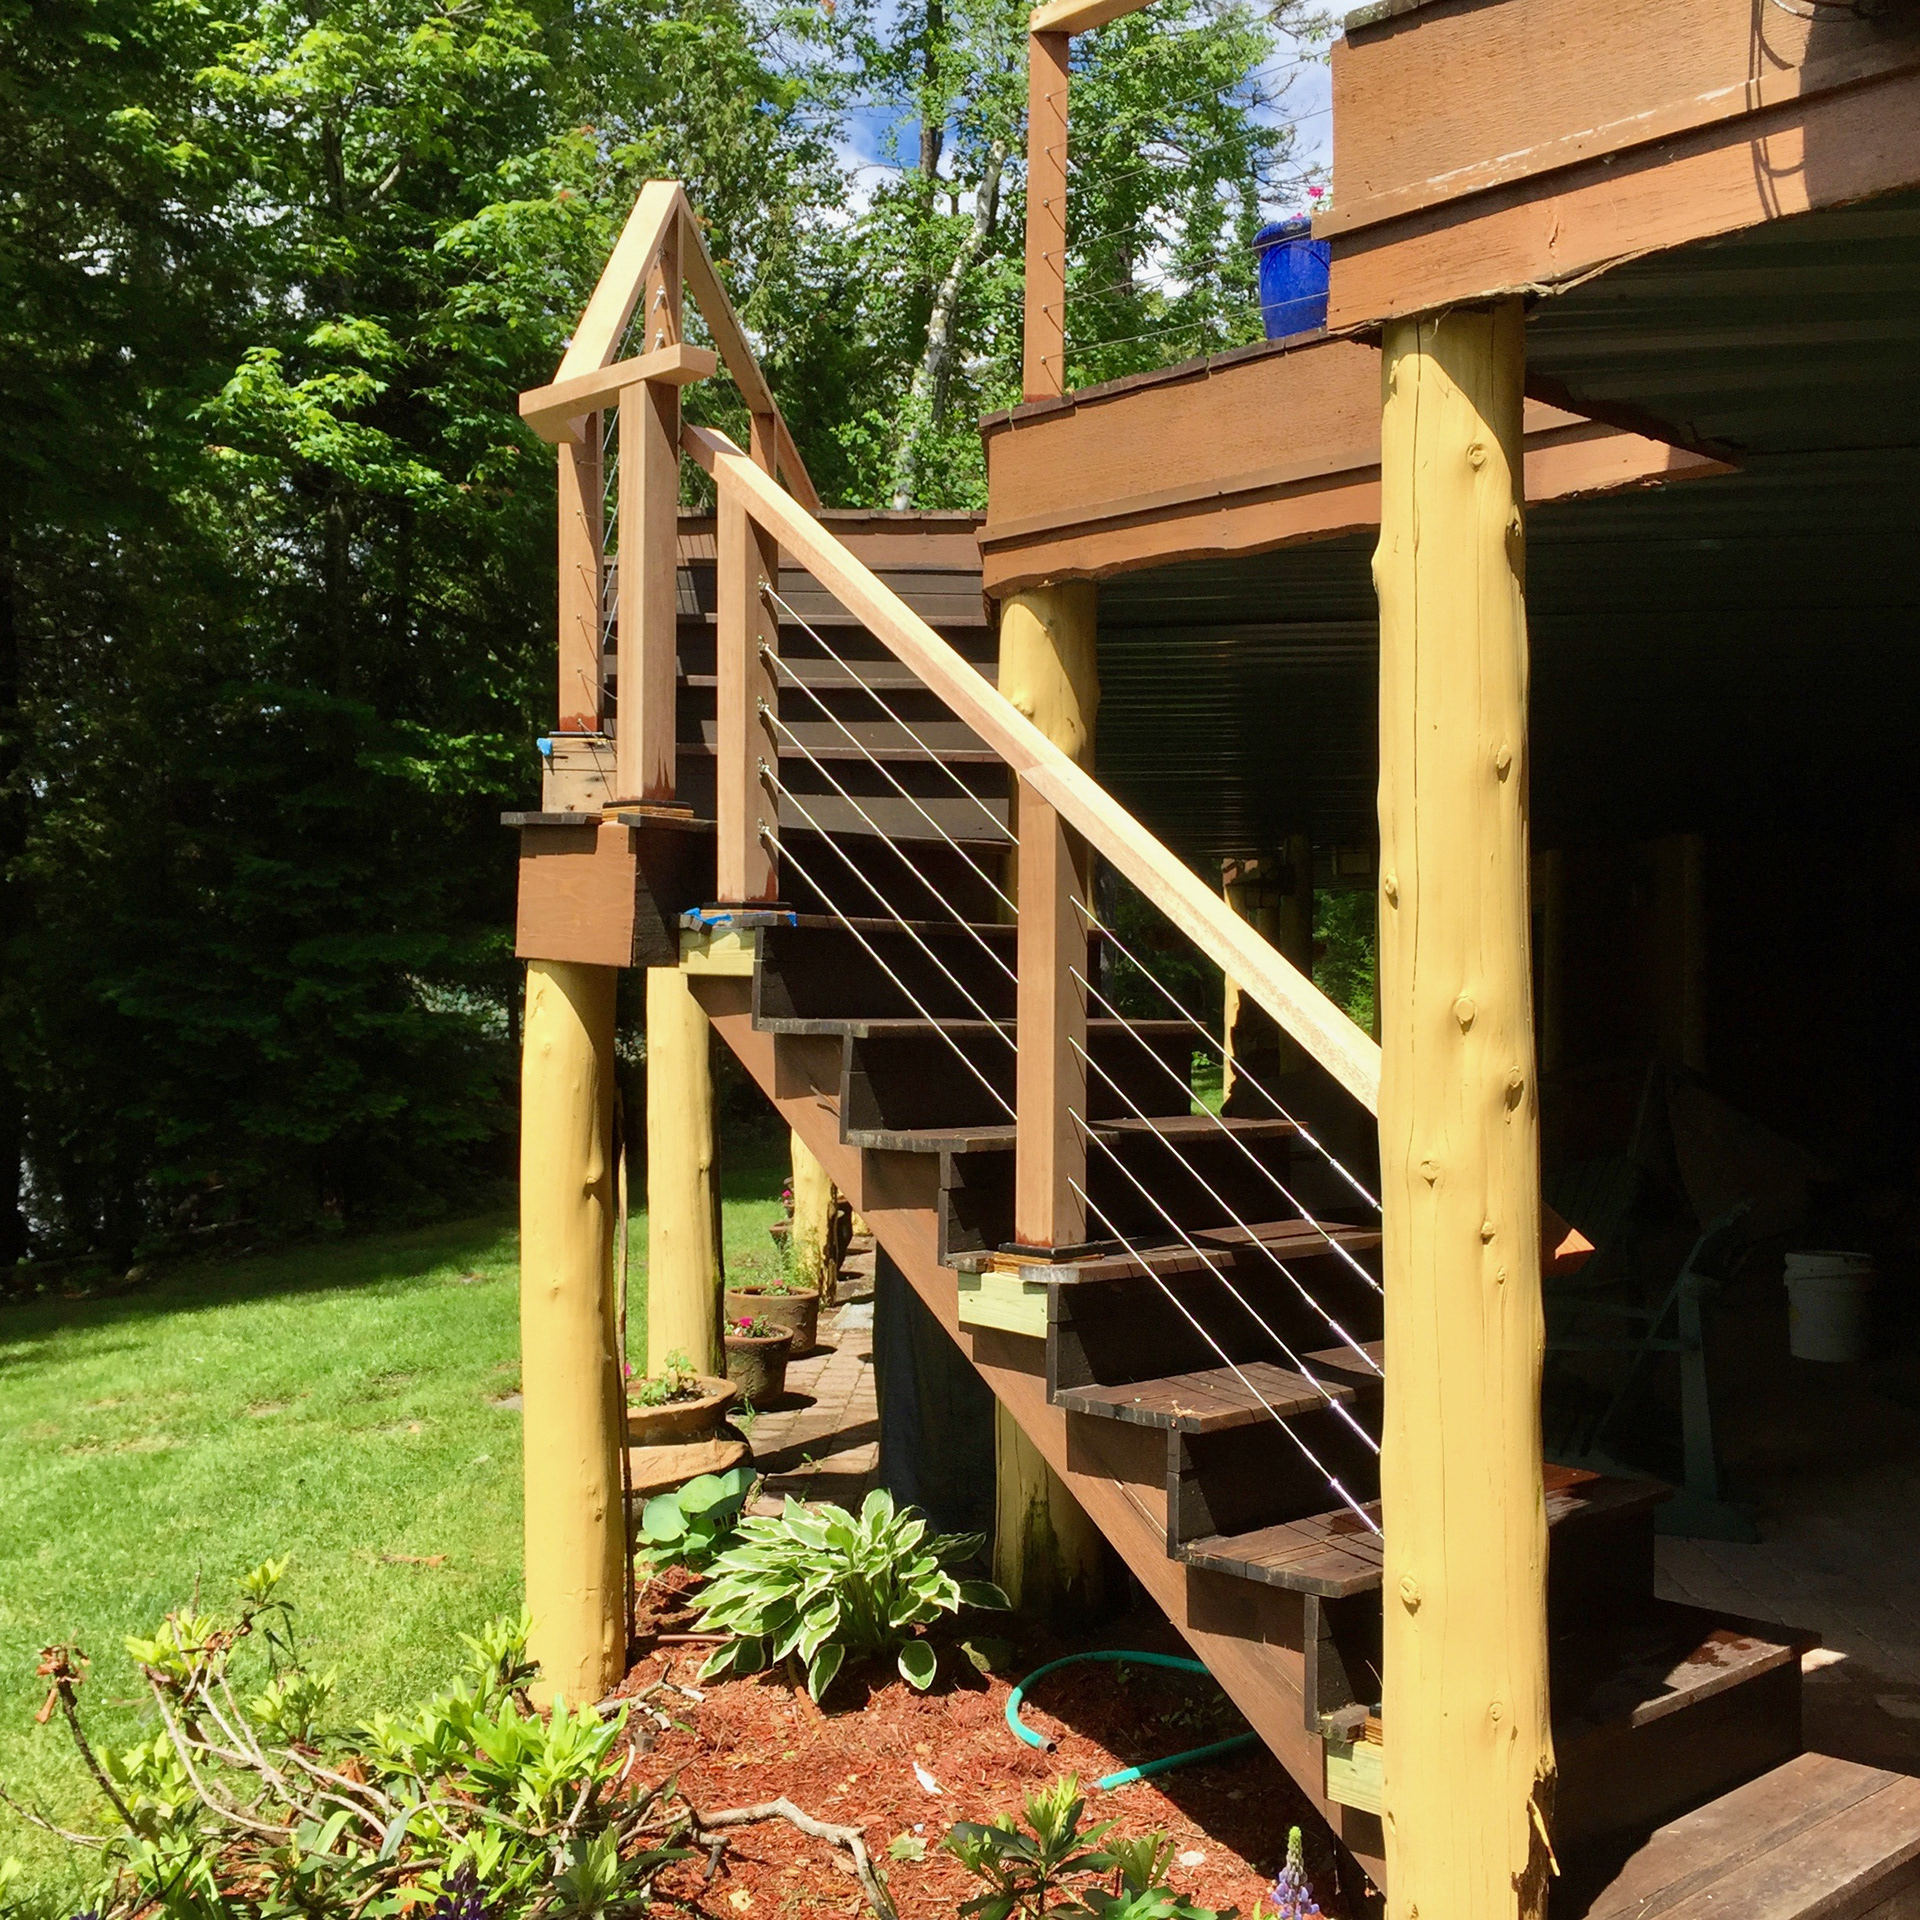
x,y
1250,1636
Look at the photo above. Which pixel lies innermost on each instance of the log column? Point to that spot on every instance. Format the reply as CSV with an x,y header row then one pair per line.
x,y
571,1424
815,1238
1047,1554
684,1271
1469,1754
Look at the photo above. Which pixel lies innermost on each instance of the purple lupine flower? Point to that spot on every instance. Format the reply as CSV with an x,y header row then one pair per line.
x,y
460,1898
1292,1891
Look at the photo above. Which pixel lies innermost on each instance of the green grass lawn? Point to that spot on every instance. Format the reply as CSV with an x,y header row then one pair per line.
x,y
338,1404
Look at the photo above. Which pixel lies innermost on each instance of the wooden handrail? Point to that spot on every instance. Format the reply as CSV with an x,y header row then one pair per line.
x,y
1351,1056
554,412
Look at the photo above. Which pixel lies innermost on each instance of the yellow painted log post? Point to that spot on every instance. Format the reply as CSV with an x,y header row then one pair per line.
x,y
1047,1555
813,1242
684,1271
571,1425
1273,894
1468,1750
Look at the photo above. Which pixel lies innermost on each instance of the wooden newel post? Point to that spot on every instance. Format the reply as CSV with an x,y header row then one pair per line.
x,y
1468,1750
746,797
581,541
649,510
1050,1156
572,1417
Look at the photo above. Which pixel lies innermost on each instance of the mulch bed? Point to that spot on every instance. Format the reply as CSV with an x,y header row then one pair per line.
x,y
853,1764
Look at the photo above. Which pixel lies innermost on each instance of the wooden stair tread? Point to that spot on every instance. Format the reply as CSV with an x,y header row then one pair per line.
x,y
1331,1554
999,1137
1660,1659
1818,1836
1291,1239
1188,1126
1207,1401
1334,1555
889,1027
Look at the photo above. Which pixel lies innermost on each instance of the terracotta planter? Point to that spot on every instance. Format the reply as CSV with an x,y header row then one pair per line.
x,y
800,1312
758,1365
682,1419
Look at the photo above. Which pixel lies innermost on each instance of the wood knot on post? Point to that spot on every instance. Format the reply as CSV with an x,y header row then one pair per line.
x,y
1486,1232
1516,1086
1503,760
1463,1011
1476,455
1430,1171
1410,1593
1390,887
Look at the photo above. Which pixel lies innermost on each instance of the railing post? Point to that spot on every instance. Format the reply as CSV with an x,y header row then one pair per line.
x,y
644,755
745,799
1044,346
1050,1097
581,537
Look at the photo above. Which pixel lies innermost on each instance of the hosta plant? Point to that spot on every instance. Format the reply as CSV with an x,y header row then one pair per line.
x,y
693,1526
820,1586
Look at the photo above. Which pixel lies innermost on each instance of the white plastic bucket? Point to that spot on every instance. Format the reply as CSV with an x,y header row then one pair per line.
x,y
1827,1305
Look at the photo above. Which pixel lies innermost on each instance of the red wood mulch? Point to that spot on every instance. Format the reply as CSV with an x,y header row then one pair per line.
x,y
852,1764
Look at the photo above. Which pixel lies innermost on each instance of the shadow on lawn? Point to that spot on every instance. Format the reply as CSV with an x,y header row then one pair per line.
x,y
440,1254
437,1254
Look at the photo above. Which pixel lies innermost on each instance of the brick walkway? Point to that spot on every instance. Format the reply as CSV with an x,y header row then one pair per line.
x,y
822,1441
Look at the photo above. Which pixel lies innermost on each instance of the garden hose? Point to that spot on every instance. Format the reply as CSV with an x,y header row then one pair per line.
x,y
1127,1775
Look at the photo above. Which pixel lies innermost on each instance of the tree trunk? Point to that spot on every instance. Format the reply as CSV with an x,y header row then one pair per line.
x,y
927,397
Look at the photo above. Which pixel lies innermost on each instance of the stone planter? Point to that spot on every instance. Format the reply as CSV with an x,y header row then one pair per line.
x,y
757,1365
799,1312
682,1419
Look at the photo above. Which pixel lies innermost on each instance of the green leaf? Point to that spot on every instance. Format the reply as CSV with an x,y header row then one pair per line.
x,y
661,1519
823,1666
983,1593
918,1664
721,1660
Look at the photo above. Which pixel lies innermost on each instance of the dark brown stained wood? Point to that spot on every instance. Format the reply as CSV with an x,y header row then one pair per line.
x,y
1817,1836
1342,1363
885,676
1330,1554
610,894
943,741
1781,160
1238,454
1460,99
1204,1402
1291,1239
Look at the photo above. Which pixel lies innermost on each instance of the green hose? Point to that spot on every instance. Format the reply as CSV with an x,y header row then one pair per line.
x,y
1127,1775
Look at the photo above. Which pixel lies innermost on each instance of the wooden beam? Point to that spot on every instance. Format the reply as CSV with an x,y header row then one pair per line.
x,y
1468,1748
1791,158
684,1268
554,412
1080,16
581,536
743,803
597,338
1044,336
1460,103
1195,909
717,311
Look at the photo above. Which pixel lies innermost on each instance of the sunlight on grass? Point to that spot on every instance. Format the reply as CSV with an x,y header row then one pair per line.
x,y
342,1404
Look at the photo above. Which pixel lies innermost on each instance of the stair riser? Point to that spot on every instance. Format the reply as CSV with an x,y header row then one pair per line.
x,y
1255,1476
976,1213
824,973
921,1080
933,884
1131,1330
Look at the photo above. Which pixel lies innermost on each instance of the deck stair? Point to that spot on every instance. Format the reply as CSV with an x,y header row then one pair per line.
x,y
1212,1357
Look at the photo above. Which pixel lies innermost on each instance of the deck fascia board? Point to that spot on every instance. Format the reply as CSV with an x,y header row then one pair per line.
x,y
1568,151
1067,481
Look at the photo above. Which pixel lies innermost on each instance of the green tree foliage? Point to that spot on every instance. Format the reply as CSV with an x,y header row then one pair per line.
x,y
276,558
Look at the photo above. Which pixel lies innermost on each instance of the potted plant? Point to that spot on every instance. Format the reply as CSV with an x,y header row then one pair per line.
x,y
757,1354
676,1404
785,1303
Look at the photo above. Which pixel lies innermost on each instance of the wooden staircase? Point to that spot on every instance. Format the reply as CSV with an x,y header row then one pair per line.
x,y
1151,1373
1182,1311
